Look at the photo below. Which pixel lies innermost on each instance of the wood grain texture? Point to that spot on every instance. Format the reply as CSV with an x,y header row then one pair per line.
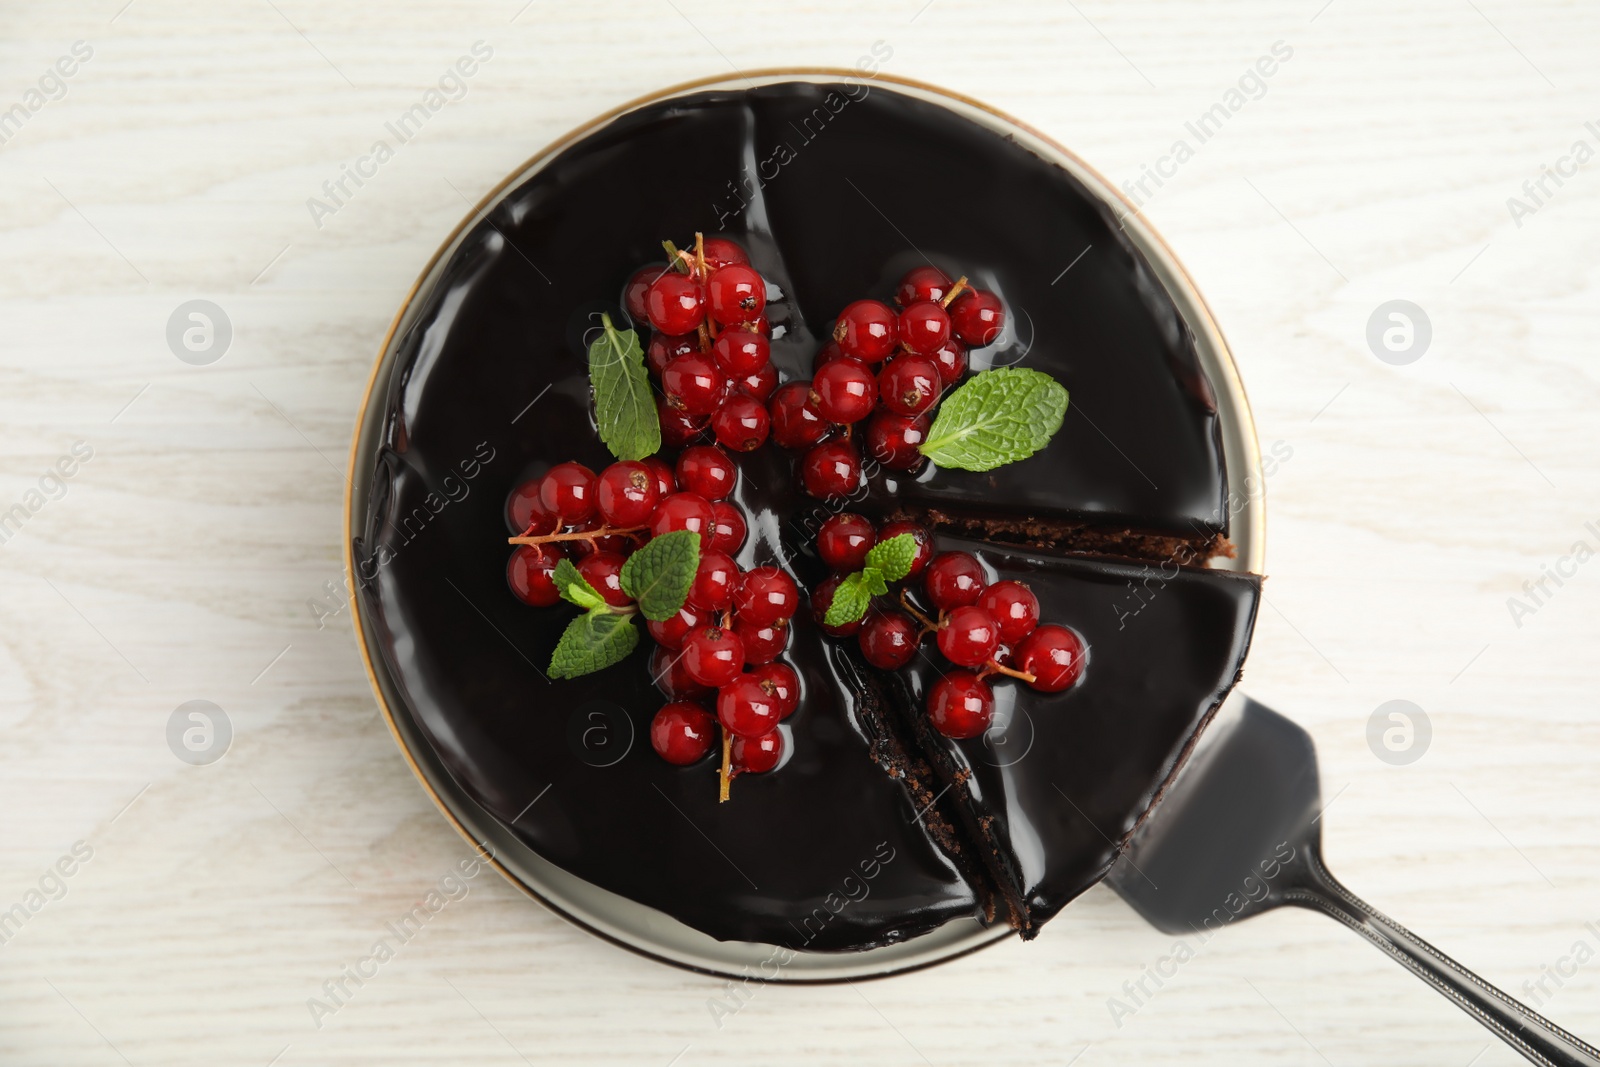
x,y
181,559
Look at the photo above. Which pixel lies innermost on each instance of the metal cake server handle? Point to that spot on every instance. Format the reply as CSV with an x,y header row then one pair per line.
x,y
1239,833
1537,1038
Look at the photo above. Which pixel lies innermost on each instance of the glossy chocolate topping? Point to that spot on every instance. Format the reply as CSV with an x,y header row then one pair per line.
x,y
834,191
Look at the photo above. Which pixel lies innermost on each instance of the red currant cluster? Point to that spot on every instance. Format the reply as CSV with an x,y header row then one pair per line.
x,y
983,629
733,625
918,352
711,352
722,647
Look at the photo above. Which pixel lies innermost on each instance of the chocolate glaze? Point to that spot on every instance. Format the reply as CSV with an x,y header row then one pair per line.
x,y
1055,787
502,328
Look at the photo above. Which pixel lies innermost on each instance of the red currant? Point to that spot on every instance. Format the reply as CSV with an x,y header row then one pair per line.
x,y
603,570
528,573
678,427
969,636
666,481
664,348
868,330
920,284
763,643
682,733
741,423
827,354
910,384
921,535
693,384
707,471
675,303
1014,607
730,527
761,384
844,541
626,493
756,754
796,423
739,353
844,391
765,595
780,680
954,580
977,317
735,294
713,656
666,669
889,639
895,440
669,633
961,705
721,252
1054,655
683,511
715,578
822,600
924,327
525,515
745,708
568,492
633,293
951,359
831,470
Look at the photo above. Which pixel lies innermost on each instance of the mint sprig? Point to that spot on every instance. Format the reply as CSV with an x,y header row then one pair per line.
x,y
997,417
623,405
888,561
657,577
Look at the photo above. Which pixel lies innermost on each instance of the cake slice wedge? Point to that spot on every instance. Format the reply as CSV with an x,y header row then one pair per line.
x,y
1050,795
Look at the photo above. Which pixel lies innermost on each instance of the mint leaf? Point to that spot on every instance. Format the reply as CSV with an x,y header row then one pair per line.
x,y
850,600
623,404
886,562
997,417
573,587
593,641
893,558
658,575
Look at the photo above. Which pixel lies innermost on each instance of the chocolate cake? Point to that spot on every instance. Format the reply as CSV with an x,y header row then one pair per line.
x,y
875,828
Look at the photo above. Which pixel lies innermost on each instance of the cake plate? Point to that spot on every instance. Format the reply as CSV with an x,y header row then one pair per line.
x,y
643,929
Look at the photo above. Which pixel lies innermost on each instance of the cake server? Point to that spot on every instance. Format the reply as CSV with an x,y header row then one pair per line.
x,y
1239,834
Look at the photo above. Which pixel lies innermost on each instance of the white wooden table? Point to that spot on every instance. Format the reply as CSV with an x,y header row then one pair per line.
x,y
183,560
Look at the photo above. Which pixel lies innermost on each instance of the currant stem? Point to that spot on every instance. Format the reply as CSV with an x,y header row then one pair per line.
x,y
727,766
955,291
700,255
992,667
578,535
928,625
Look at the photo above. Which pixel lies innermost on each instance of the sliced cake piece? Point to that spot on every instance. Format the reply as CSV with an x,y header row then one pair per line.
x,y
1050,794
